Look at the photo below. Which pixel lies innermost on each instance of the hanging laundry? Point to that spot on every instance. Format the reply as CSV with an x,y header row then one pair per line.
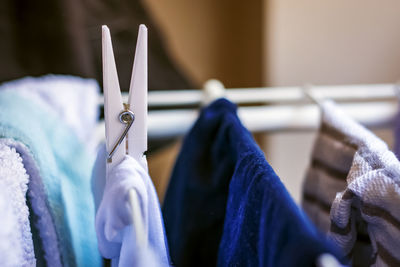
x,y
352,190
225,205
114,215
330,163
59,170
16,244
42,226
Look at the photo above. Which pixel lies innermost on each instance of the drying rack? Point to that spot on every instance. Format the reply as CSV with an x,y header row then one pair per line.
x,y
271,109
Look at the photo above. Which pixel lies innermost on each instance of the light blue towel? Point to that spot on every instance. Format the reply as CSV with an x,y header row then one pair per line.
x,y
65,169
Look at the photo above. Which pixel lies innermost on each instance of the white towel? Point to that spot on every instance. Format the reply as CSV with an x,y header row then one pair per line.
x,y
373,196
16,245
43,221
351,189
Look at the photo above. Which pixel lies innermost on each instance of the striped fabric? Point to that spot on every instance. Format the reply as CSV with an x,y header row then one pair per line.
x,y
352,190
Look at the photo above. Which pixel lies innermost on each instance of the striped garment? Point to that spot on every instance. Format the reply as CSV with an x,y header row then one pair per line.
x,y
352,190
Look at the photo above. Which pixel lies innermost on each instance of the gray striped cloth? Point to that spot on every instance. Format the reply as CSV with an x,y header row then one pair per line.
x,y
352,190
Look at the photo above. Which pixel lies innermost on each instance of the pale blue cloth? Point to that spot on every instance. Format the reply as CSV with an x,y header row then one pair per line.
x,y
72,98
64,168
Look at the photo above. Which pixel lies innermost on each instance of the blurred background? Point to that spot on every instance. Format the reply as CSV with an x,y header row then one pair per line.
x,y
283,43
241,43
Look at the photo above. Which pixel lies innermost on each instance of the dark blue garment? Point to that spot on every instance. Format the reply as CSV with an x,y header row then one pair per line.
x,y
226,205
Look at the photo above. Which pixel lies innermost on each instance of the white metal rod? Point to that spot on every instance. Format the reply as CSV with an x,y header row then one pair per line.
x,y
367,92
174,123
273,118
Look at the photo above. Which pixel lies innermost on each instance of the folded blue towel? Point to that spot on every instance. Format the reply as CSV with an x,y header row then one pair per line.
x,y
225,205
65,170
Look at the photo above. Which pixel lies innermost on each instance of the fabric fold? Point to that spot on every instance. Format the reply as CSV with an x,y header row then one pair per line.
x,y
355,195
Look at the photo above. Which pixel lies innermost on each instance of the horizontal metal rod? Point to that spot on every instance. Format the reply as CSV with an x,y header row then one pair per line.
x,y
273,118
339,93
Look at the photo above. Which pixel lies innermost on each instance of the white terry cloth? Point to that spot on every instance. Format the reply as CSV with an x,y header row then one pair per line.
x,y
11,247
16,245
73,99
114,227
352,190
38,199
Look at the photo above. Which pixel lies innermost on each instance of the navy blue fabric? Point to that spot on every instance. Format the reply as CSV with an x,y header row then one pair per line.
x,y
226,205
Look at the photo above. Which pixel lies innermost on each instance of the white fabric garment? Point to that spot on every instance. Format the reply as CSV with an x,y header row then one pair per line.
x,y
11,251
115,232
16,245
327,260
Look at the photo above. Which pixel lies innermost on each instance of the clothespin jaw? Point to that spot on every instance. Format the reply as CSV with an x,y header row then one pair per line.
x,y
112,101
137,136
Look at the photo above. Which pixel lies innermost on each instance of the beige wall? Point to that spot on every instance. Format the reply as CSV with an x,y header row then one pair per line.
x,y
213,39
332,42
282,42
326,42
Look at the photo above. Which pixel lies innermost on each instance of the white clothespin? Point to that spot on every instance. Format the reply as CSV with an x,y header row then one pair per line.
x,y
126,123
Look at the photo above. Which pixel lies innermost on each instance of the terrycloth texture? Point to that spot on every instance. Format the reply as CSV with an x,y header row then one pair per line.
x,y
42,225
16,245
364,216
11,246
226,205
114,228
73,99
60,160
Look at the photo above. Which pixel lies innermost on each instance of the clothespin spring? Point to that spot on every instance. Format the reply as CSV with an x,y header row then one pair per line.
x,y
126,117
